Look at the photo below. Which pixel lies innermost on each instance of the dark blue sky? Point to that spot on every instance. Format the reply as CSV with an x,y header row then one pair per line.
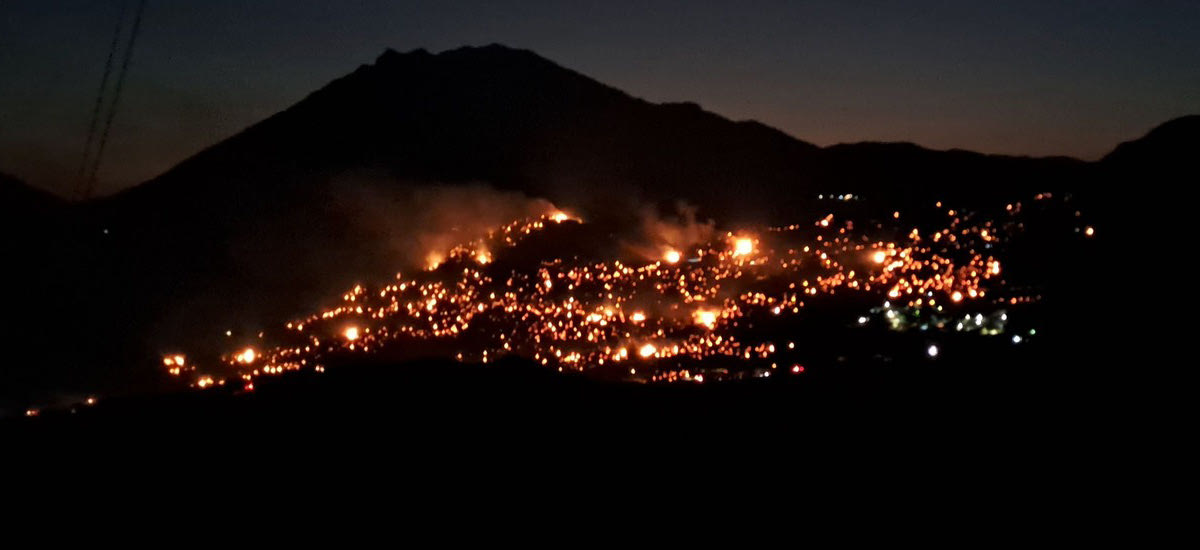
x,y
1021,77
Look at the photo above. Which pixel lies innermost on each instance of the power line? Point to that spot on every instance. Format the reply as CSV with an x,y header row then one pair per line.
x,y
112,110
80,182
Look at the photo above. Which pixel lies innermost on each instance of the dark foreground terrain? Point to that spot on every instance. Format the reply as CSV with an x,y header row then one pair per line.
x,y
1051,405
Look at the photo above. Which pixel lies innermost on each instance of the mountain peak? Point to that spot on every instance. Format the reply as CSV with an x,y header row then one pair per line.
x,y
389,55
489,53
489,69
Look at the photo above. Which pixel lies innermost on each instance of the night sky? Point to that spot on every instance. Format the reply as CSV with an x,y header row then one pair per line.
x,y
1038,78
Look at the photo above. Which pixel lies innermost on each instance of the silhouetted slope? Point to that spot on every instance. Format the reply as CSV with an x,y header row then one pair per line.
x,y
33,259
1168,146
1148,212
1147,184
29,221
20,201
900,172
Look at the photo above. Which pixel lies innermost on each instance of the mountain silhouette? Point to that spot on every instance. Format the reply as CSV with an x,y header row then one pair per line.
x,y
1169,145
518,121
21,203
27,216
504,116
271,221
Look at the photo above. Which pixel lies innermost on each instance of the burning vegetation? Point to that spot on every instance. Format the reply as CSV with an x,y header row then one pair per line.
x,y
745,302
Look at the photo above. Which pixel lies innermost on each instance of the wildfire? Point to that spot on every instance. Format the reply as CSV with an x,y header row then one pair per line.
x,y
743,247
707,318
575,314
247,356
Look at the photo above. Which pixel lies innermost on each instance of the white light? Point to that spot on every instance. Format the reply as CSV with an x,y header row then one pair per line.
x,y
1016,339
932,350
862,320
742,247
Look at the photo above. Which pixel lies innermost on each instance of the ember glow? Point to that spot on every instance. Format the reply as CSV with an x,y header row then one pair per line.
x,y
743,247
715,316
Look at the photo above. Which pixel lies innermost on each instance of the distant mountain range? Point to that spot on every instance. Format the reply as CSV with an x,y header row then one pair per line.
x,y
259,226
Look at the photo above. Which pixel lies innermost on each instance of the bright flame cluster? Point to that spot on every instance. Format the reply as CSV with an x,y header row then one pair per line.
x,y
651,321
